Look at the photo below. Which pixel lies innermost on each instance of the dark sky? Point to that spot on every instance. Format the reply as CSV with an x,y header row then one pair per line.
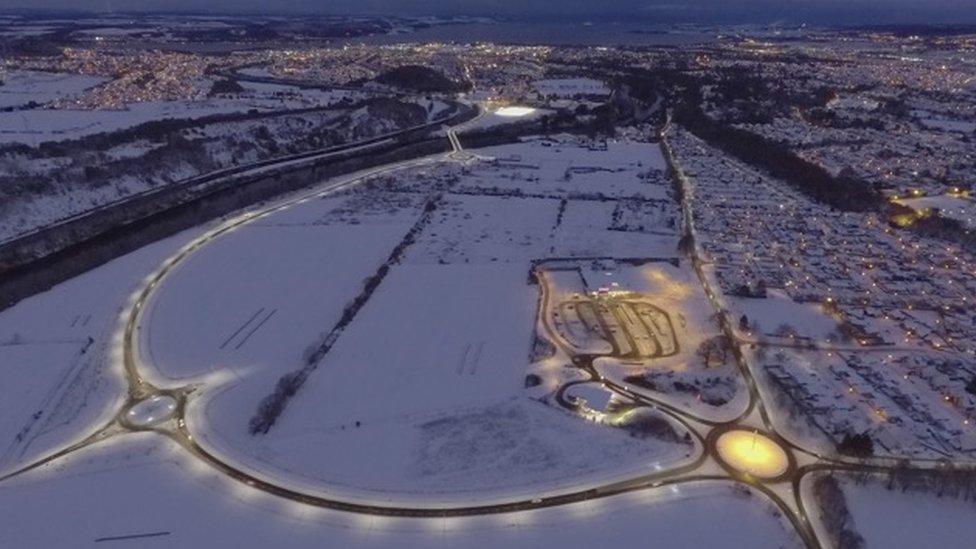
x,y
814,11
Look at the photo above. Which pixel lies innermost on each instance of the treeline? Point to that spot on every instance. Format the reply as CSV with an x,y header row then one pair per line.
x,y
97,246
172,156
843,192
834,513
155,130
225,86
272,406
946,480
403,114
752,92
421,79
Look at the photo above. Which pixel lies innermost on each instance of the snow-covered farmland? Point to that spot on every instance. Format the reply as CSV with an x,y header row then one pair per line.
x,y
935,522
571,87
877,510
420,394
35,126
420,399
566,167
486,229
253,300
57,383
21,88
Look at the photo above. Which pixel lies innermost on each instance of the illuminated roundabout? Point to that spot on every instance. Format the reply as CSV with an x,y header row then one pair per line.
x,y
150,412
747,449
751,454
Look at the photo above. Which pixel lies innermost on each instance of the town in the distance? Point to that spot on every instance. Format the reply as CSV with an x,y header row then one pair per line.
x,y
430,281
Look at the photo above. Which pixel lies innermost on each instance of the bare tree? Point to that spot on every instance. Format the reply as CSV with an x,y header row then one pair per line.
x,y
714,349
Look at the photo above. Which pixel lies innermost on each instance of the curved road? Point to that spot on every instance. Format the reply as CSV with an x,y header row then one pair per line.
x,y
784,492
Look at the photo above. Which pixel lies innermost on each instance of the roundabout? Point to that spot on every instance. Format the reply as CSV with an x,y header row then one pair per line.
x,y
752,454
696,448
150,412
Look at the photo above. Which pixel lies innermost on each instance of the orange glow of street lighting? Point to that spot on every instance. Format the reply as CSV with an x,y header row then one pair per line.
x,y
752,453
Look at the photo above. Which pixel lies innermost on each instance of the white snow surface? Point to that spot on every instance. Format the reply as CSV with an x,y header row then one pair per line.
x,y
142,484
881,517
21,87
43,369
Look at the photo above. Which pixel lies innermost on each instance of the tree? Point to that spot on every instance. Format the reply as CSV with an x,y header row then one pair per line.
x,y
225,86
857,445
785,330
714,349
760,290
421,79
835,513
971,386
686,245
716,318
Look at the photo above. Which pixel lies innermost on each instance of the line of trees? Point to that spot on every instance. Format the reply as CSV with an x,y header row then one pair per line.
x,y
843,192
946,480
272,406
836,516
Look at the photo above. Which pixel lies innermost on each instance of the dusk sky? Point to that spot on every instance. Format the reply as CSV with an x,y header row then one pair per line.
x,y
833,11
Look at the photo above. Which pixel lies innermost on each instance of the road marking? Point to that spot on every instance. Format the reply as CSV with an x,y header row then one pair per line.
x,y
254,329
239,330
132,536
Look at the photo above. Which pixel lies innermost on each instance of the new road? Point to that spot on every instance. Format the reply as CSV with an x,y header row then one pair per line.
x,y
718,453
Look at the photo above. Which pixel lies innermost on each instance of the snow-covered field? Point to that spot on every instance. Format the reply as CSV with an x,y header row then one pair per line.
x,y
22,87
56,384
39,125
569,87
881,516
777,314
293,97
256,298
563,167
935,522
35,126
143,485
420,400
421,396
487,229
